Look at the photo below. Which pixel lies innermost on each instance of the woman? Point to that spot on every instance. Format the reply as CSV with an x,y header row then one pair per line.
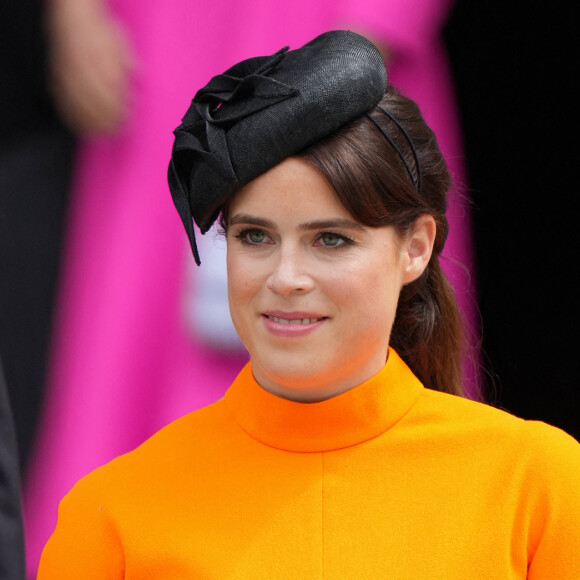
x,y
322,460
113,265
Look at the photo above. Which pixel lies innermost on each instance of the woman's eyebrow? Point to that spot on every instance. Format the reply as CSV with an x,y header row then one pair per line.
x,y
332,223
243,218
342,223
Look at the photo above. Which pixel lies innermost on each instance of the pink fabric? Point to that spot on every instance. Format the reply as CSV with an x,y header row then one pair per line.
x,y
123,362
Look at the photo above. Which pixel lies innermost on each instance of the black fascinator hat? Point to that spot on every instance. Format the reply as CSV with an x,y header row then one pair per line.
x,y
263,110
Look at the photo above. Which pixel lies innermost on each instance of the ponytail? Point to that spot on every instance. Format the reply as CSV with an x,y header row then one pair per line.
x,y
427,332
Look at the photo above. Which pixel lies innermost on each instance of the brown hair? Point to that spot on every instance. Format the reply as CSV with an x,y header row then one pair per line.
x,y
373,183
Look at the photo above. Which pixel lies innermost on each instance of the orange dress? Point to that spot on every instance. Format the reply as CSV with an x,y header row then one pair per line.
x,y
388,480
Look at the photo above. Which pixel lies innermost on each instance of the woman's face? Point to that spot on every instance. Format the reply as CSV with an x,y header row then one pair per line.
x,y
312,292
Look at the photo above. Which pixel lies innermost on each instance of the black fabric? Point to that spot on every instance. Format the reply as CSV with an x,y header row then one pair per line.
x,y
34,182
24,100
263,110
11,534
36,155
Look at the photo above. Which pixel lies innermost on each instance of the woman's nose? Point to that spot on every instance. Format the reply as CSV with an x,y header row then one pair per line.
x,y
290,273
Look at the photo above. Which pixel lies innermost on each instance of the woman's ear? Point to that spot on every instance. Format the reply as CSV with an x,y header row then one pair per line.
x,y
418,247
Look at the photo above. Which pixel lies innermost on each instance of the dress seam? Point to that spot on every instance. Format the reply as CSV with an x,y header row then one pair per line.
x,y
322,513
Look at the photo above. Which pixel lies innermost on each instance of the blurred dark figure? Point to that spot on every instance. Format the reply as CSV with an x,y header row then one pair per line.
x,y
35,160
11,536
515,69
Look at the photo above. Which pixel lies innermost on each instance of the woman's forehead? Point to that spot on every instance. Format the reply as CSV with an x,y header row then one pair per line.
x,y
292,190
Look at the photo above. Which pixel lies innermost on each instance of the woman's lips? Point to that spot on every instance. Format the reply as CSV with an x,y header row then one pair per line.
x,y
294,320
292,324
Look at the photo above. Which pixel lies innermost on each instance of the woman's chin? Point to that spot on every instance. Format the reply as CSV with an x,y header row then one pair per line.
x,y
297,381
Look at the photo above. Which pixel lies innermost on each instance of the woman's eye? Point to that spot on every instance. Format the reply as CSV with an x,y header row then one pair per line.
x,y
252,237
255,237
333,240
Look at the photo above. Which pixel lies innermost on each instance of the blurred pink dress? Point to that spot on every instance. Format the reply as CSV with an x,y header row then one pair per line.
x,y
124,361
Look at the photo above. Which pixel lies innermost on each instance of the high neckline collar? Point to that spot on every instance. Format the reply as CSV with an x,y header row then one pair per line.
x,y
360,414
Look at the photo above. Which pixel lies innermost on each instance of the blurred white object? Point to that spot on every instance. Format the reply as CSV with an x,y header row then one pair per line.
x,y
206,302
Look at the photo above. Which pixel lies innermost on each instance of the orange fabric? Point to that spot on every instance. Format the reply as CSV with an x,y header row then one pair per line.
x,y
389,480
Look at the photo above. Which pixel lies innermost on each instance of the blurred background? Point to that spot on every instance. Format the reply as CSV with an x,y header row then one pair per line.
x,y
107,329
514,74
